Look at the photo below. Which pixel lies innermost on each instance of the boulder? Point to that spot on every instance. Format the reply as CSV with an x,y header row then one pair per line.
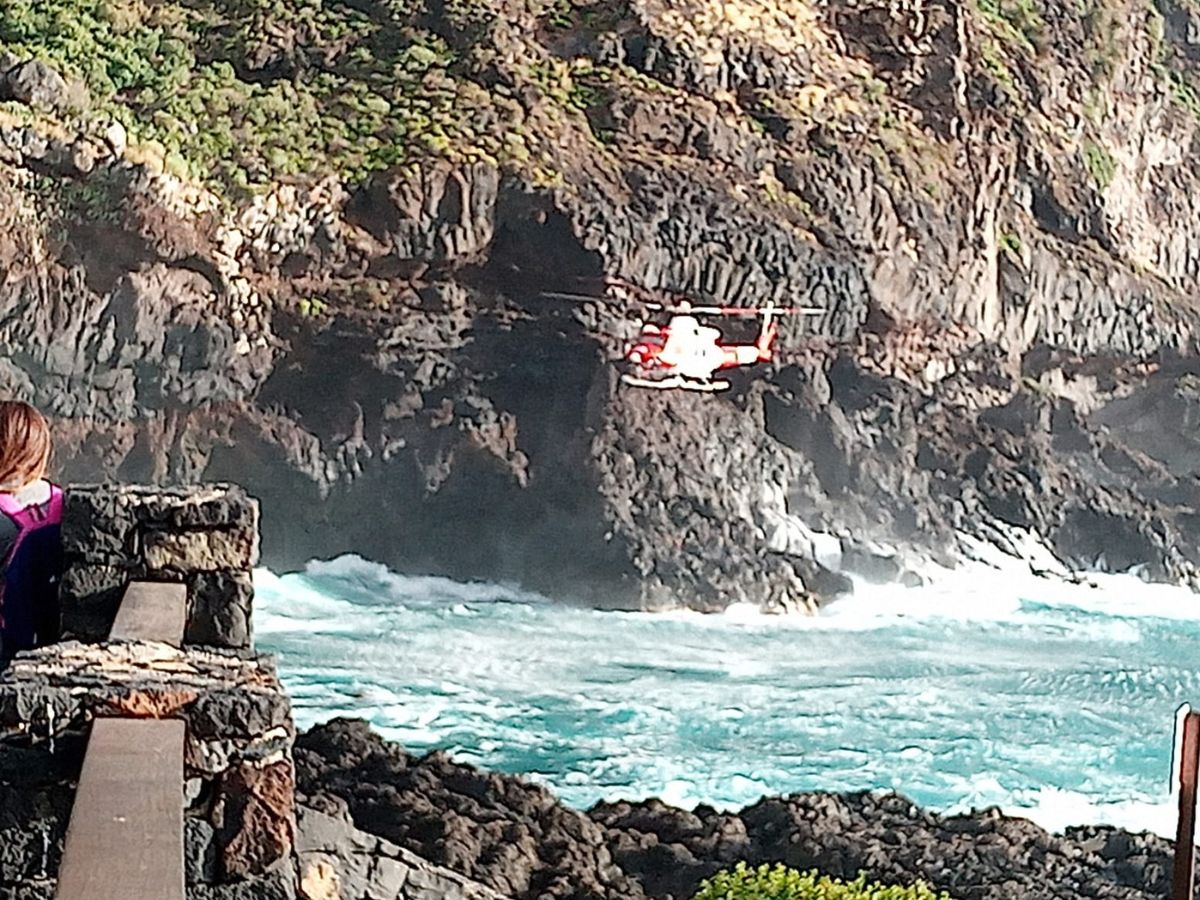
x,y
35,83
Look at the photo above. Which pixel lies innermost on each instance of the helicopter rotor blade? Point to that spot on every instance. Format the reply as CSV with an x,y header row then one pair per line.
x,y
657,306
581,298
742,310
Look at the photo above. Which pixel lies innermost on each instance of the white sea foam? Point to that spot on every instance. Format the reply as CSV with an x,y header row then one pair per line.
x,y
388,586
1055,810
991,685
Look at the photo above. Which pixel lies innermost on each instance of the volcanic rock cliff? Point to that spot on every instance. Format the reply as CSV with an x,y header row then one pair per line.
x,y
304,245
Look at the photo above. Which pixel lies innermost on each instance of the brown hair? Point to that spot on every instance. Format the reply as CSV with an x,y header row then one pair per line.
x,y
24,445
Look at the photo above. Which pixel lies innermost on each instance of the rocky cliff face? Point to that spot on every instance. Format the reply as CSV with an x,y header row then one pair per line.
x,y
994,202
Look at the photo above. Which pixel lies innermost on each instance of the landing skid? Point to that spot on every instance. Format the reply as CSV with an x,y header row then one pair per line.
x,y
676,382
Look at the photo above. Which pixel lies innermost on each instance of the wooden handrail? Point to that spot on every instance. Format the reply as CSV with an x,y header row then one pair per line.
x,y
1186,770
125,837
151,611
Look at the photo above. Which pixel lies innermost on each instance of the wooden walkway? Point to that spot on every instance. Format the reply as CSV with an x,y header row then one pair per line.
x,y
125,838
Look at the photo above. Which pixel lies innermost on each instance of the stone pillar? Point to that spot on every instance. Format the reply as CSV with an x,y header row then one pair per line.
x,y
205,537
238,779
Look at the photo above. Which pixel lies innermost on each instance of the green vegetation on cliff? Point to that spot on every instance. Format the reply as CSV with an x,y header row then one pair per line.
x,y
782,883
250,91
758,95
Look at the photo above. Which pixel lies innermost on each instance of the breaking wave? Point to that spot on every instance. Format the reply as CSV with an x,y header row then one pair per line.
x,y
987,687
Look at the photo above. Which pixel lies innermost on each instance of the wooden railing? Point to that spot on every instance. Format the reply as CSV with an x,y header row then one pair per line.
x,y
125,837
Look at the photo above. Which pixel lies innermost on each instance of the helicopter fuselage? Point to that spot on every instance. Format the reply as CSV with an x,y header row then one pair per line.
x,y
684,347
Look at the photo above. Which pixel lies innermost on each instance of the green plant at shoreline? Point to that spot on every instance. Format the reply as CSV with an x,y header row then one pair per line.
x,y
561,14
781,883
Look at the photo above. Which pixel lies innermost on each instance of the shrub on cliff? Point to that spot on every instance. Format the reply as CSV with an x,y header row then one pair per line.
x,y
782,883
241,94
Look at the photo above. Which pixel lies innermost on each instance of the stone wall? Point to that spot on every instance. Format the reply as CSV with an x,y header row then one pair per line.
x,y
35,803
242,838
205,537
238,772
239,781
245,837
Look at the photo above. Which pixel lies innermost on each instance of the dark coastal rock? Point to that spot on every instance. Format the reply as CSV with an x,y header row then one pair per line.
x,y
339,862
447,215
514,837
506,833
277,885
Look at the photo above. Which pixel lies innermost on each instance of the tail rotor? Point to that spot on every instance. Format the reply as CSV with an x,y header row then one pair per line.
x,y
768,333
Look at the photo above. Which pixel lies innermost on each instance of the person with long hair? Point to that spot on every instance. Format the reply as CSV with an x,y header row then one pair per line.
x,y
31,557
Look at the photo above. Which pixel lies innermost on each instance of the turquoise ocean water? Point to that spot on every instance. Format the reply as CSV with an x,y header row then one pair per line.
x,y
992,686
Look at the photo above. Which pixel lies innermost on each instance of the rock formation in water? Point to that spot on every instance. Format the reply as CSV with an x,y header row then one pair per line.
x,y
516,838
303,246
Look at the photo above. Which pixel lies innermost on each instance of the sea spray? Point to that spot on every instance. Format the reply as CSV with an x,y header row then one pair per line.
x,y
988,686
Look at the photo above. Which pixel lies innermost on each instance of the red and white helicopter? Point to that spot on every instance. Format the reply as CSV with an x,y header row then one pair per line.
x,y
683,353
